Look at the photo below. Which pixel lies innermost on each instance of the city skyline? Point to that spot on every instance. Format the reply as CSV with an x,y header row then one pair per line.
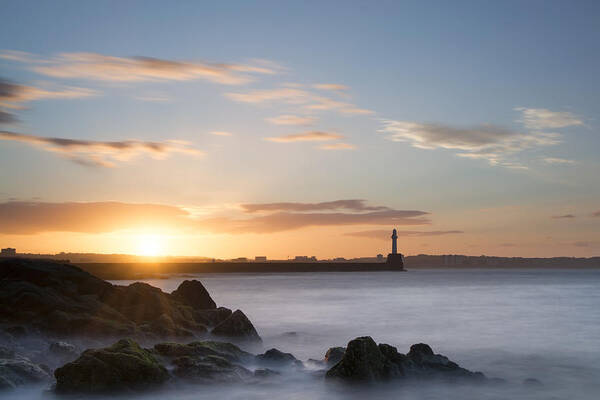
x,y
224,130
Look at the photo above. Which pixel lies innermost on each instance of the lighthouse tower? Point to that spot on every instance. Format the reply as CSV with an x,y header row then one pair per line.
x,y
395,259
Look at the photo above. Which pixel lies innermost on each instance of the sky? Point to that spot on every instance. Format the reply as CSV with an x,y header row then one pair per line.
x,y
276,128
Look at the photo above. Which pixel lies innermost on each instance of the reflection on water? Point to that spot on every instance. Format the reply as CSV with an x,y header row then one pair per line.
x,y
506,323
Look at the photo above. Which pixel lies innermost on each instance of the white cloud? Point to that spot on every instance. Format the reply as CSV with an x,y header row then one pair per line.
x,y
541,118
221,133
556,160
310,136
289,119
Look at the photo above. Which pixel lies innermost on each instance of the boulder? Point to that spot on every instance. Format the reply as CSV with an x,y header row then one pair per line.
x,y
362,361
237,325
334,355
212,317
365,361
194,294
224,350
278,358
53,297
210,369
16,370
124,366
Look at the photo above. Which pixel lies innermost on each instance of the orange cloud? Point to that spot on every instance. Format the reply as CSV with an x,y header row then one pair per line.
x,y
13,95
98,217
290,120
102,153
311,136
136,69
338,146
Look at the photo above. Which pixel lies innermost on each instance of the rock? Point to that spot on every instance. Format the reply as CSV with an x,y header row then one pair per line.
x,y
124,366
237,326
279,358
362,361
52,297
365,361
265,373
17,371
210,369
212,317
194,295
334,355
224,350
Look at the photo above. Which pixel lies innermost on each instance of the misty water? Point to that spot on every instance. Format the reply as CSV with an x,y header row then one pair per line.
x,y
510,324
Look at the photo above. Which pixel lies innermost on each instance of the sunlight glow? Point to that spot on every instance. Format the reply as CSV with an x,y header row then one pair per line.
x,y
150,245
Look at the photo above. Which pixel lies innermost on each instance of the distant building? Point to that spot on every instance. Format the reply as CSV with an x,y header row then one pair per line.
x,y
240,259
8,252
260,258
305,259
339,259
380,258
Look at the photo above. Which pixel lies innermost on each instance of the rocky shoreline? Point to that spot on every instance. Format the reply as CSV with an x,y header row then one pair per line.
x,y
64,328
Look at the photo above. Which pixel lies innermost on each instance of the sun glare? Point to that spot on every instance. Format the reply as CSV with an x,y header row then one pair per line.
x,y
150,245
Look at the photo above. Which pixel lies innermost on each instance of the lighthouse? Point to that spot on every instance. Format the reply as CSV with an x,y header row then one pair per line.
x,y
395,259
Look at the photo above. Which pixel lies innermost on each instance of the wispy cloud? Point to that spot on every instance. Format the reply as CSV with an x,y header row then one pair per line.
x,y
559,161
331,86
7,118
289,119
310,136
351,204
13,95
566,216
337,146
98,217
136,69
221,133
541,118
385,234
488,142
102,153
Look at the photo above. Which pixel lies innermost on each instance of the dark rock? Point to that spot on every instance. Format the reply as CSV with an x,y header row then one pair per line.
x,y
17,371
212,317
279,358
237,326
265,373
193,294
124,366
58,298
365,361
210,369
16,330
224,350
362,361
334,355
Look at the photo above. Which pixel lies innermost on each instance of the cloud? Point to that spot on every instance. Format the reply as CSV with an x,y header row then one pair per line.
x,y
559,161
285,94
102,153
331,86
7,118
288,119
25,218
294,95
13,95
385,234
566,216
596,214
99,217
541,118
136,69
351,204
221,133
283,221
337,146
488,142
310,136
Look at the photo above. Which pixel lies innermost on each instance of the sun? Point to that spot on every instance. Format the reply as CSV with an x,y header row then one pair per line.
x,y
151,245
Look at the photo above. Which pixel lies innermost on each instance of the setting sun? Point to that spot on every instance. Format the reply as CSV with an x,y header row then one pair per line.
x,y
150,245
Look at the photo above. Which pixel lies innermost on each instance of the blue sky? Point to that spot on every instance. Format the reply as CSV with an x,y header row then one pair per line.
x,y
488,106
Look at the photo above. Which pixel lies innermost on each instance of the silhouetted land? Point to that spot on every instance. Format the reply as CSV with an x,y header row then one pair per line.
x,y
138,270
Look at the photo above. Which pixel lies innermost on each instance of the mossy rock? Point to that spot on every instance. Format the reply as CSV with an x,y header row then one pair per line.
x,y
124,366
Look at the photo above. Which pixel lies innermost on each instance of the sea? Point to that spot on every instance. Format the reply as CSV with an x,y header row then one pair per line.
x,y
513,324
